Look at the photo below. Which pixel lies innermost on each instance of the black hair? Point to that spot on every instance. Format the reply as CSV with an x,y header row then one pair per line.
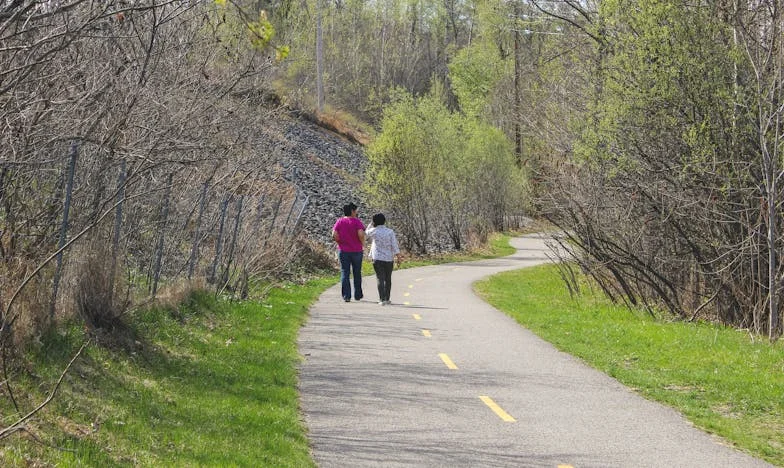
x,y
379,219
347,209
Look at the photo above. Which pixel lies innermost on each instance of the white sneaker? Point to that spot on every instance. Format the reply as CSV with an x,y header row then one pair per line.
x,y
382,303
388,302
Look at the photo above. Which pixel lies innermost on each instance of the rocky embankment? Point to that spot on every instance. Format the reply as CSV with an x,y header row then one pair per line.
x,y
323,166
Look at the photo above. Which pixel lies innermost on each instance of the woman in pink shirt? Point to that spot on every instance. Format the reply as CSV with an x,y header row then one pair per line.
x,y
349,233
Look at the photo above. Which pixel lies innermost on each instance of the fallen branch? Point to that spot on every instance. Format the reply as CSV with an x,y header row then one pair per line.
x,y
19,424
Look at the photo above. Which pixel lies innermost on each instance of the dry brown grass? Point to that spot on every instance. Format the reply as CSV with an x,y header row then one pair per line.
x,y
30,311
343,124
174,293
95,295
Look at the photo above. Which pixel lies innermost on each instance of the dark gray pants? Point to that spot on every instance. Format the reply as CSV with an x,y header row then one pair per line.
x,y
384,277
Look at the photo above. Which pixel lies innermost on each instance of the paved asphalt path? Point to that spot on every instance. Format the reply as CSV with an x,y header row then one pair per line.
x,y
377,391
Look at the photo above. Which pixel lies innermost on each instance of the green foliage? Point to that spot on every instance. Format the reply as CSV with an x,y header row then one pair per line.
x,y
435,168
260,32
239,27
473,73
666,82
492,165
720,378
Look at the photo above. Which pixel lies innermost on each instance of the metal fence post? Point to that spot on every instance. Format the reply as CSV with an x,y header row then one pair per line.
x,y
299,215
225,278
219,242
161,237
291,210
272,222
196,236
64,226
118,216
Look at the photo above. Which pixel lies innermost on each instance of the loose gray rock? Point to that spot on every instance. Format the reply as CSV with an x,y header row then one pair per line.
x,y
322,166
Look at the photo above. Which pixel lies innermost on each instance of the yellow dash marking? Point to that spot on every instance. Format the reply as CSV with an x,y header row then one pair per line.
x,y
496,409
426,333
406,294
447,361
418,279
406,303
565,466
417,317
410,286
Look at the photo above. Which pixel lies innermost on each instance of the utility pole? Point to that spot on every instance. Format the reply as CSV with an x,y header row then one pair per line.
x,y
518,99
319,60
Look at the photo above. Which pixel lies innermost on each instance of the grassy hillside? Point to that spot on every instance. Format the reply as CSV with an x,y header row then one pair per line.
x,y
201,382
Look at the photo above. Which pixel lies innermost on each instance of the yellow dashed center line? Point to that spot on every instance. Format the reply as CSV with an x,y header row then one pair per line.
x,y
447,361
416,316
427,333
496,409
565,466
410,286
418,279
406,294
406,303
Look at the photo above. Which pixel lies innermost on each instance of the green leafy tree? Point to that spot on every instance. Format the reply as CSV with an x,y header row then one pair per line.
x,y
474,74
439,169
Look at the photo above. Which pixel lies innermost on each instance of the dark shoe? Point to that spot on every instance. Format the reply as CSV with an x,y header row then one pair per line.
x,y
358,298
347,299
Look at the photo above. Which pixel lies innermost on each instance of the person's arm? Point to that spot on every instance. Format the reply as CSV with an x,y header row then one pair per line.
x,y
335,236
360,231
396,250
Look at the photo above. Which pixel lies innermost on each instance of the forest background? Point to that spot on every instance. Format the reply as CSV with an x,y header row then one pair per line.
x,y
650,132
142,145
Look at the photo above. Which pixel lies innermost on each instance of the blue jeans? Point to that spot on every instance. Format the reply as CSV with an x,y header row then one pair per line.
x,y
351,261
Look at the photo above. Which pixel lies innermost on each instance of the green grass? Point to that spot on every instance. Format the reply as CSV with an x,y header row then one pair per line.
x,y
213,384
497,246
724,380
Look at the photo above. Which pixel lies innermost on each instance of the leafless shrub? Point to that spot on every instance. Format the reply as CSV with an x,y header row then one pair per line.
x,y
32,303
478,233
311,255
96,300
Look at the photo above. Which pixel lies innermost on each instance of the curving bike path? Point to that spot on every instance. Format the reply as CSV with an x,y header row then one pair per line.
x,y
442,379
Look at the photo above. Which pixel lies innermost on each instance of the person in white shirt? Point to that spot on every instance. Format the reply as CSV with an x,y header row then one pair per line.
x,y
384,252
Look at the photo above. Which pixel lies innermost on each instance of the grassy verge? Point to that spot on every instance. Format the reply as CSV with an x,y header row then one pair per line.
x,y
723,380
212,383
497,246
